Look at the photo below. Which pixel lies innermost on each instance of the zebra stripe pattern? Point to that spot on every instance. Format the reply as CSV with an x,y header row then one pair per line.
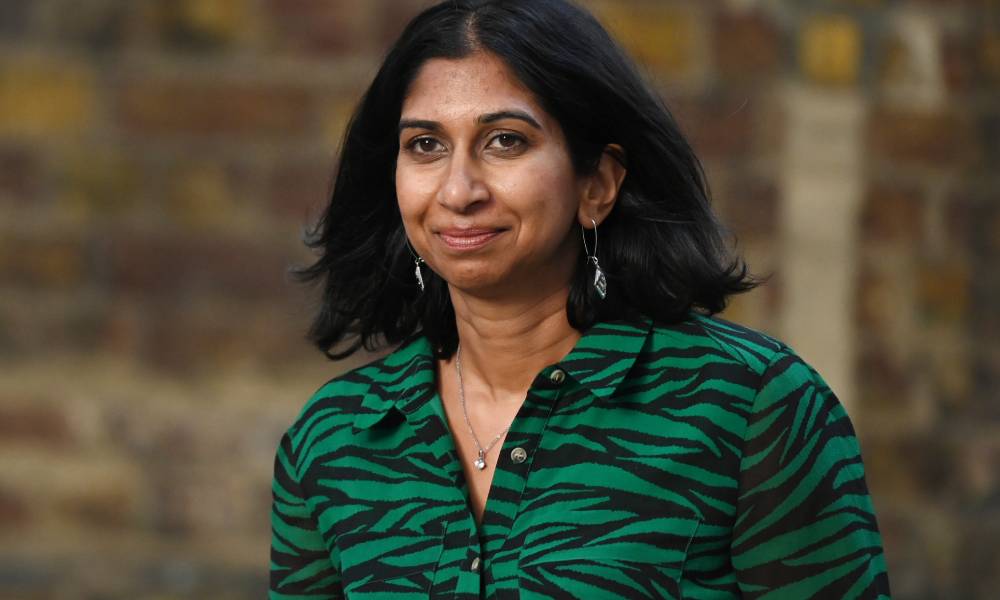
x,y
699,460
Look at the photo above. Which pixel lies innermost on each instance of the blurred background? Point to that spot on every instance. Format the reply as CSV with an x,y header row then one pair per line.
x,y
159,159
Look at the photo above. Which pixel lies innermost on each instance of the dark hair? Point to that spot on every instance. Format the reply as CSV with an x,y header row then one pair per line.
x,y
661,247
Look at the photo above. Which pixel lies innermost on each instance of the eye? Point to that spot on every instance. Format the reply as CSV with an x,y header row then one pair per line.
x,y
508,141
423,145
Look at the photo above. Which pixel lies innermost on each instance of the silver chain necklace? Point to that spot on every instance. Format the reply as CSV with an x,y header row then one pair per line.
x,y
480,461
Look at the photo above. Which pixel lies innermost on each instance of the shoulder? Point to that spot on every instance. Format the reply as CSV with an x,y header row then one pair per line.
x,y
737,353
711,334
337,401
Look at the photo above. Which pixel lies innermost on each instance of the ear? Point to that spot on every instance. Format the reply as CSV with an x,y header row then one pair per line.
x,y
600,189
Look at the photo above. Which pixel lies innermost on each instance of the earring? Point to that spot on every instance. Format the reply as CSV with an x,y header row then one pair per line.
x,y
417,261
420,277
600,281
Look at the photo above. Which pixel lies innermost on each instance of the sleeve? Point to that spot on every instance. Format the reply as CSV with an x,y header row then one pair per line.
x,y
805,524
301,563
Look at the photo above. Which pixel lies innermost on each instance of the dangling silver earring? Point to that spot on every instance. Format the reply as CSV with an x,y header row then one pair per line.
x,y
600,282
416,271
417,261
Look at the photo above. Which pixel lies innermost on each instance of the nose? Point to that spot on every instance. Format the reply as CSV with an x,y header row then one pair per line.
x,y
463,186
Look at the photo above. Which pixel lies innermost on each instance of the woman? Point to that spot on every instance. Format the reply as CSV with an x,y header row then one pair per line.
x,y
562,417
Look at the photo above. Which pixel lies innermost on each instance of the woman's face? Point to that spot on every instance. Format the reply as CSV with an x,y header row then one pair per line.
x,y
485,184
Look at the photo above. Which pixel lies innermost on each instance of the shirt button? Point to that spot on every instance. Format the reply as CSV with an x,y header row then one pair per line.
x,y
518,455
557,376
475,564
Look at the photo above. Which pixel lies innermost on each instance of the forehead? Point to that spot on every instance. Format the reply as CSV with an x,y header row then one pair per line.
x,y
478,83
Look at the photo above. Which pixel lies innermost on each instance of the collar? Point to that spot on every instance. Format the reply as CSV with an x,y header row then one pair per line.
x,y
600,360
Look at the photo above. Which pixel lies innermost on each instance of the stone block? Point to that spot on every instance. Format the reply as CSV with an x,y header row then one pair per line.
x,y
44,96
669,39
203,24
831,49
910,64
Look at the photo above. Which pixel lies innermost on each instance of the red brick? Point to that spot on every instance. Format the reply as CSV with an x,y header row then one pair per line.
x,y
204,339
394,15
972,223
751,207
879,292
976,553
930,139
918,465
987,49
214,108
182,263
20,176
14,510
44,263
885,382
101,507
15,18
748,46
300,191
323,27
718,125
958,62
892,213
37,424
984,323
943,292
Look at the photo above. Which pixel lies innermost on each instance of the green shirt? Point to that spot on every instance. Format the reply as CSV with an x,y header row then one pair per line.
x,y
696,460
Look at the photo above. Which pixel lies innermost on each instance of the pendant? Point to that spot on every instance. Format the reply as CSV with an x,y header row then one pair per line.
x,y
420,277
600,282
480,462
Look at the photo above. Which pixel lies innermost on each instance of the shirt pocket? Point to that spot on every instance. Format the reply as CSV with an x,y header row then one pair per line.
x,y
639,559
397,564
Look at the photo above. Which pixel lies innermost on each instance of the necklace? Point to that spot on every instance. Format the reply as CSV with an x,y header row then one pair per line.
x,y
480,461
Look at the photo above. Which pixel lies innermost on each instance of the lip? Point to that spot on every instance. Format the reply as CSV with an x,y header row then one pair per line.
x,y
468,239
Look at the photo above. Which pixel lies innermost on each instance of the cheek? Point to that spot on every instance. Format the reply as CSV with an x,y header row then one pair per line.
x,y
409,195
546,191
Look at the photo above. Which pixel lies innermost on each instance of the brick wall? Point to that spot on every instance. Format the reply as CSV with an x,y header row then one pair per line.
x,y
158,160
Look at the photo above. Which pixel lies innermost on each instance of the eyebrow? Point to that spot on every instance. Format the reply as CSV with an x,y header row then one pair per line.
x,y
482,120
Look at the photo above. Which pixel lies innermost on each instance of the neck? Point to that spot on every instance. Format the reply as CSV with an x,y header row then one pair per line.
x,y
505,346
